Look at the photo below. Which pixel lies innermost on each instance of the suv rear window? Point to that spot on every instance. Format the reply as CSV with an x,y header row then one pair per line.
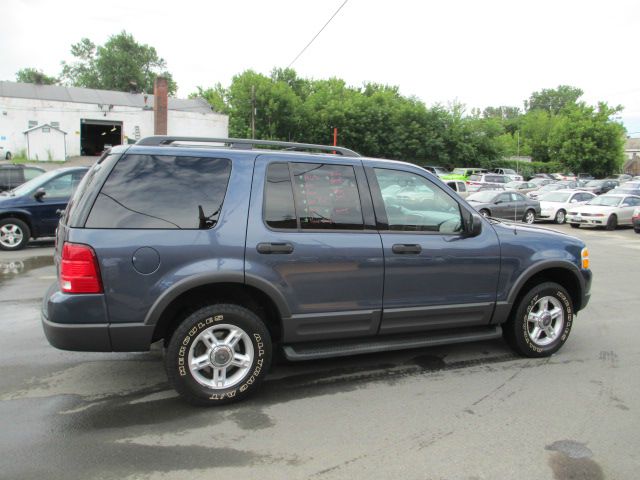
x,y
161,191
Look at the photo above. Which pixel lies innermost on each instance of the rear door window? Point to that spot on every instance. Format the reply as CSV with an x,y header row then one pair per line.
x,y
162,192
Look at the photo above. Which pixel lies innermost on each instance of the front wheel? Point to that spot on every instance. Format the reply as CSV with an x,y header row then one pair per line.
x,y
561,217
612,223
529,217
636,229
541,322
219,354
8,156
14,234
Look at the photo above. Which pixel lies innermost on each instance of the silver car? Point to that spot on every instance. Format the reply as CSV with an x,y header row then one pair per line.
x,y
555,205
609,210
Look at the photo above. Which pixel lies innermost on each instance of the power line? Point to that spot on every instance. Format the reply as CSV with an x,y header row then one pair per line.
x,y
316,35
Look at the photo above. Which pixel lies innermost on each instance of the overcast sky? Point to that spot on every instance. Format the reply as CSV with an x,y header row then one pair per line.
x,y
480,53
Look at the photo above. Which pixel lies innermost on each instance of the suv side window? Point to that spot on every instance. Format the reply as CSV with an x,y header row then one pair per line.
x,y
326,196
418,205
161,191
279,209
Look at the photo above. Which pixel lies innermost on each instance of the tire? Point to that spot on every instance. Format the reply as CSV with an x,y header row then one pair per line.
x,y
529,217
612,223
526,330
14,234
575,225
636,229
561,217
8,156
226,381
485,213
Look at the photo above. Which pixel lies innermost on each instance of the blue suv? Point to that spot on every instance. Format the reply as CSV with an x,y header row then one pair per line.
x,y
33,209
227,252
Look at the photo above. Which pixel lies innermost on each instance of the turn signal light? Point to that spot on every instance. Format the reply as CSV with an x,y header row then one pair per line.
x,y
79,269
585,258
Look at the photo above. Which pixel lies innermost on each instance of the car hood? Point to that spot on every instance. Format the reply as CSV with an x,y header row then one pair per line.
x,y
593,209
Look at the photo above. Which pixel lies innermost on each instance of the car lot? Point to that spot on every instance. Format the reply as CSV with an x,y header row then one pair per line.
x,y
454,412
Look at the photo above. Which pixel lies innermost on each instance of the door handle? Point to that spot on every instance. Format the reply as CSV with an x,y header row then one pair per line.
x,y
274,248
406,248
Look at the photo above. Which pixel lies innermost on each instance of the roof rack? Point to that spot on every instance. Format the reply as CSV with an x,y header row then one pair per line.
x,y
244,144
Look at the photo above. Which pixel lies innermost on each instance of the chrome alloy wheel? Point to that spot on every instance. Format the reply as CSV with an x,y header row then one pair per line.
x,y
221,356
529,217
545,321
11,235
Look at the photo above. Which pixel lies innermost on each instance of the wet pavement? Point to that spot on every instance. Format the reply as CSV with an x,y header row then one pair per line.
x,y
471,411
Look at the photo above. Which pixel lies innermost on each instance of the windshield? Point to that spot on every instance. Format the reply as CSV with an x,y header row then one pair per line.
x,y
33,184
482,197
459,171
509,171
605,201
560,197
594,183
513,184
551,186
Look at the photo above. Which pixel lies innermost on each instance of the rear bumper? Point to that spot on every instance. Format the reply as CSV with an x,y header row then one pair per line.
x,y
80,323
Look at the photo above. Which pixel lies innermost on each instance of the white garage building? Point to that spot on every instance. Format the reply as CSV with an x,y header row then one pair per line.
x,y
93,119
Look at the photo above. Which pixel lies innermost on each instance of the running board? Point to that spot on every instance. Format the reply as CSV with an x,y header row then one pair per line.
x,y
343,348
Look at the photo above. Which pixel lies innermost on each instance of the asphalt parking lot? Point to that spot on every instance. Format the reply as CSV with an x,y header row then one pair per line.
x,y
471,411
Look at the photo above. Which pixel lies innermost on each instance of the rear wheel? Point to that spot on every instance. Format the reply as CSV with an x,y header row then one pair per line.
x,y
561,217
14,234
541,322
529,217
219,354
612,223
8,156
636,229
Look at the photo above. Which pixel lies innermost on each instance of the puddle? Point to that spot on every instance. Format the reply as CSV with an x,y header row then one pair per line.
x,y
12,268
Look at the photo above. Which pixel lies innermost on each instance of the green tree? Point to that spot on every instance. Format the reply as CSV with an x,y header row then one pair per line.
x,y
32,75
554,100
120,64
585,139
216,96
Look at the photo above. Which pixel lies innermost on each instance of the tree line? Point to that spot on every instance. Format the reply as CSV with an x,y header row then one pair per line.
x,y
554,127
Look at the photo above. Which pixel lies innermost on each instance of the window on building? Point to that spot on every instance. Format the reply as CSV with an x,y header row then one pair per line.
x,y
55,124
33,123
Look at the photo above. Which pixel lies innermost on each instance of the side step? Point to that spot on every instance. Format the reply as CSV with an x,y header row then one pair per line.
x,y
343,348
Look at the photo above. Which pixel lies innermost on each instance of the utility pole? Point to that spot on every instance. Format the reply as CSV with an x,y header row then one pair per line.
x,y
253,111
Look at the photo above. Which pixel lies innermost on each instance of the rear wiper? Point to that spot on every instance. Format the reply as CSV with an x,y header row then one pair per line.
x,y
204,222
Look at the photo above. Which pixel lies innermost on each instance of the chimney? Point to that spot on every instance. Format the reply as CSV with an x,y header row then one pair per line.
x,y
160,103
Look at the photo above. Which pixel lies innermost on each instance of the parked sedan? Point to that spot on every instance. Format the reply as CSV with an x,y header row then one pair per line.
x,y
555,205
522,187
535,194
12,176
33,209
508,205
600,186
608,211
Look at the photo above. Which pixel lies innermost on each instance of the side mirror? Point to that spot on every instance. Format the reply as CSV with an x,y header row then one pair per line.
x,y
39,193
473,225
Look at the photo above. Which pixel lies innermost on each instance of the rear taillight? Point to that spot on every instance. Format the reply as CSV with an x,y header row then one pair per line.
x,y
79,270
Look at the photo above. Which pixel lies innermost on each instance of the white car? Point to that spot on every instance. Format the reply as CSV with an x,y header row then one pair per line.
x,y
609,210
555,205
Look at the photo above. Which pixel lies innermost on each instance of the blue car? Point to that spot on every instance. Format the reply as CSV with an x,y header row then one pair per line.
x,y
33,209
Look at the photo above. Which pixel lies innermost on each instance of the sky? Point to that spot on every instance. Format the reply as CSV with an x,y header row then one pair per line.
x,y
479,53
